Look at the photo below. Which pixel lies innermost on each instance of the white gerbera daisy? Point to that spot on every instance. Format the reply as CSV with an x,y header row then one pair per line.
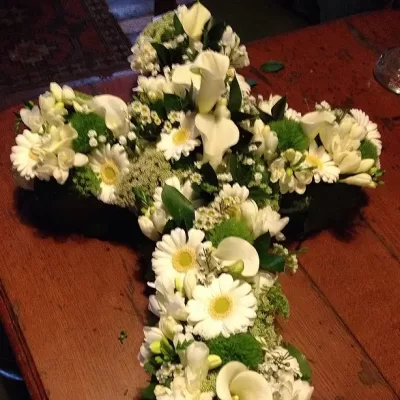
x,y
186,189
371,128
180,140
324,167
26,154
176,253
225,307
109,162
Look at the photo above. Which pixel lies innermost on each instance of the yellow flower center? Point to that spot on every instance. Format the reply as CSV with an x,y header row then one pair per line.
x,y
33,154
180,136
109,172
220,307
314,161
184,259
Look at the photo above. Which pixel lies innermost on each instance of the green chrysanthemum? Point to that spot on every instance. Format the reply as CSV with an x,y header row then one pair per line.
x,y
242,347
290,135
227,228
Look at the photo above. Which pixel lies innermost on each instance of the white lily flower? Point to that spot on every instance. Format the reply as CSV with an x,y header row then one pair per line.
x,y
234,249
363,179
235,381
194,19
114,111
218,135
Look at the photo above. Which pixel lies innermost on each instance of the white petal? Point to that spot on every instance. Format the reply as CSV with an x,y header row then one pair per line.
x,y
80,160
249,385
225,377
316,122
194,19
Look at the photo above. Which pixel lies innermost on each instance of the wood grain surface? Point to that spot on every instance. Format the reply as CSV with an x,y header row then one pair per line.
x,y
65,298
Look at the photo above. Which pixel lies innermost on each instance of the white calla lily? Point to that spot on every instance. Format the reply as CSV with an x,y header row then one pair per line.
x,y
235,381
234,249
114,111
218,135
317,122
194,19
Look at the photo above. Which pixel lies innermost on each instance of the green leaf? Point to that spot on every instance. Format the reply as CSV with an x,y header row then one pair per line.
x,y
251,82
148,393
166,349
214,35
245,138
169,226
305,367
122,337
265,117
29,104
172,102
184,345
238,116
150,368
272,262
278,110
262,244
178,26
180,208
272,66
162,54
209,175
235,96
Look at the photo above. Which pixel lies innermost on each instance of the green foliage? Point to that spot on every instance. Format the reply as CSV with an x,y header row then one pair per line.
x,y
148,392
242,347
272,66
264,328
227,228
368,150
305,368
272,301
83,123
290,135
86,182
251,82
179,206
235,96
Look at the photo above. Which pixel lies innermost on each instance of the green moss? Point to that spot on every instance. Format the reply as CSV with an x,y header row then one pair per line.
x,y
368,150
83,123
86,182
290,135
227,228
242,347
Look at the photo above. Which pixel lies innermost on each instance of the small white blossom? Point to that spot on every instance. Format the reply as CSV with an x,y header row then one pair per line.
x,y
93,142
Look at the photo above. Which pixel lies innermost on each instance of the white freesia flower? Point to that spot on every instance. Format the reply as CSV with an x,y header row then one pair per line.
x,y
153,222
180,140
297,390
167,301
176,253
289,171
267,105
169,327
32,119
151,334
234,249
264,279
114,111
109,162
238,192
224,308
324,167
194,19
218,135
153,87
264,220
196,366
25,155
266,138
235,381
363,179
52,111
186,189
231,47
179,390
62,94
318,122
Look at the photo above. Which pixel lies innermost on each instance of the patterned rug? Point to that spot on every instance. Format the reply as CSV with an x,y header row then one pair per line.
x,y
57,40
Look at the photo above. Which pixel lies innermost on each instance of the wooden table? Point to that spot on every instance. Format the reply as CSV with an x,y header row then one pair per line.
x,y
65,300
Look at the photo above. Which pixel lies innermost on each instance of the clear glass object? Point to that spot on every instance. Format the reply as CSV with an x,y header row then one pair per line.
x,y
387,69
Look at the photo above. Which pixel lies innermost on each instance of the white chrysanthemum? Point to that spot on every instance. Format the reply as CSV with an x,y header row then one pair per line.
x,y
224,308
151,334
180,140
324,167
236,191
176,253
292,114
109,162
371,128
144,57
186,189
289,171
26,154
32,119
